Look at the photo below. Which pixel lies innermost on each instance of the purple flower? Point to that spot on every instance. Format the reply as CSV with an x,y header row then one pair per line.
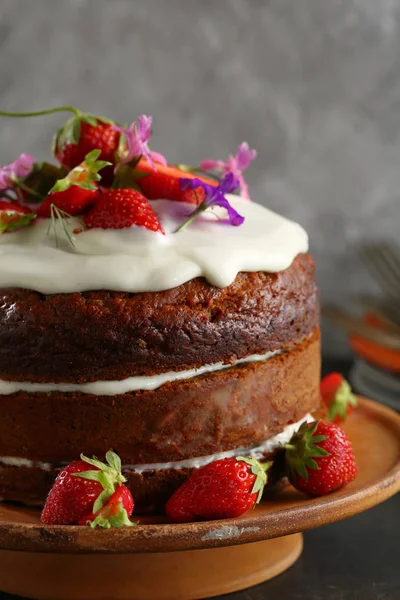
x,y
137,137
213,196
19,168
234,164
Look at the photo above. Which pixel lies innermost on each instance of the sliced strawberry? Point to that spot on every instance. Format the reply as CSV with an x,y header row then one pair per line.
x,y
337,396
13,207
115,512
117,209
164,183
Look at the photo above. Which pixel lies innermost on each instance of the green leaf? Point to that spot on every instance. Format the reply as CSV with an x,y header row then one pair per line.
x,y
303,449
260,471
342,399
61,185
59,216
83,175
112,516
92,475
12,221
188,168
95,462
106,120
92,156
41,179
114,461
75,130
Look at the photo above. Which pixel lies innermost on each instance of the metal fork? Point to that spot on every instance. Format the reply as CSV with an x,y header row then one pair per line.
x,y
388,309
354,325
383,259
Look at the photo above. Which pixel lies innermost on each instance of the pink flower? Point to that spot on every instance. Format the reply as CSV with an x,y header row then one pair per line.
x,y
234,164
19,168
137,137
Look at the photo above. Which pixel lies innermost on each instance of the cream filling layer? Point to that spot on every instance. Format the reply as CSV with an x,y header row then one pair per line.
x,y
135,259
191,463
130,384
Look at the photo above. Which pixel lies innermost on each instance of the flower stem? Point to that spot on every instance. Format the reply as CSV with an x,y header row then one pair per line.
x,y
191,217
38,113
27,189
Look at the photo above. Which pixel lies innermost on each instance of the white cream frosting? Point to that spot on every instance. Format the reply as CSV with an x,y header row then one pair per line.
x,y
137,260
192,463
123,386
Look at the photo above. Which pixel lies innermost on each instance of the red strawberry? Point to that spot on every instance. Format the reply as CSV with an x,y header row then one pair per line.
x,y
76,191
14,216
13,207
164,183
73,201
337,396
220,490
320,459
78,494
82,134
115,512
117,209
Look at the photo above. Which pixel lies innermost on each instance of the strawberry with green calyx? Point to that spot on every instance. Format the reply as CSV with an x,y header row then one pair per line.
x,y
319,458
114,513
337,395
97,496
77,190
14,216
223,489
81,134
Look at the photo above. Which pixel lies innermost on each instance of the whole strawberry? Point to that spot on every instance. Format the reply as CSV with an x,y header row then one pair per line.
x,y
97,496
337,396
120,208
319,458
75,192
83,133
220,490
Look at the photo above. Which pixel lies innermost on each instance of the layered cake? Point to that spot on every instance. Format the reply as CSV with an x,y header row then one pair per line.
x,y
172,346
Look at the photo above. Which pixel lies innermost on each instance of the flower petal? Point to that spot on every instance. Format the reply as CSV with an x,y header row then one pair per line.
x,y
244,156
208,164
20,167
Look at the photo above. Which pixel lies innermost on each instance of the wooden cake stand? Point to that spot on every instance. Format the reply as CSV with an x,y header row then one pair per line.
x,y
161,561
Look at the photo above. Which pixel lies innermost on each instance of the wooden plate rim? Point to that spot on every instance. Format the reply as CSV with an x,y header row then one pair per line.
x,y
253,527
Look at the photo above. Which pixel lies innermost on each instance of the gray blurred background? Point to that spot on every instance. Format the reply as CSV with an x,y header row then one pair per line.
x,y
314,85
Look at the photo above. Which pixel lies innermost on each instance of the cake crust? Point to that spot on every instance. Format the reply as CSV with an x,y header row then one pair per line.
x,y
94,336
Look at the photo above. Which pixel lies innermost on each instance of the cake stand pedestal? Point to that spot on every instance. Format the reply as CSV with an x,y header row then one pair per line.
x,y
161,561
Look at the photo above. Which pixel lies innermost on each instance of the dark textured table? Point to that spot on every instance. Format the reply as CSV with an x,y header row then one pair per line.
x,y
356,559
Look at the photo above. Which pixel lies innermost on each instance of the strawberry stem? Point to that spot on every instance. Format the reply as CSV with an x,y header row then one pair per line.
x,y
39,113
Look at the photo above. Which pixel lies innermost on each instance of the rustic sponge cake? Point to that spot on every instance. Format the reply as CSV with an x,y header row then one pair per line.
x,y
100,336
163,318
